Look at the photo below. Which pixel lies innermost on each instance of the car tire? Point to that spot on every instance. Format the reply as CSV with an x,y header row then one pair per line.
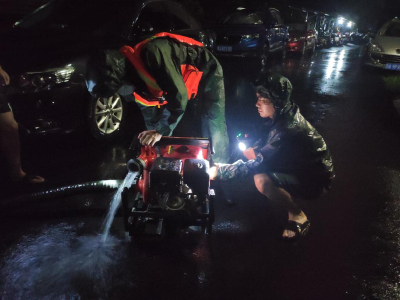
x,y
107,117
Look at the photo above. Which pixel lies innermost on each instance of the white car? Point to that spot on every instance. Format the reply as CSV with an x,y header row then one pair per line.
x,y
384,49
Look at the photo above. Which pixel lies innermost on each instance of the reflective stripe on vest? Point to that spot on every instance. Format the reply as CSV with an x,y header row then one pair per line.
x,y
145,102
190,73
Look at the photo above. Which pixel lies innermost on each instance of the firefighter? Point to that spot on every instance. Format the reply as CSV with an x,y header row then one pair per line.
x,y
289,161
165,71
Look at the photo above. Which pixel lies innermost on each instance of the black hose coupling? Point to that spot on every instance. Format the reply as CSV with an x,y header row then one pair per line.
x,y
135,165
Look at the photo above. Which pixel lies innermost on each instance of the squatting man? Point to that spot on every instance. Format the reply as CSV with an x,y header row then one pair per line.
x,y
289,161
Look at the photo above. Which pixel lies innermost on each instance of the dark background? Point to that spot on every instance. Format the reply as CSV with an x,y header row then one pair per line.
x,y
366,13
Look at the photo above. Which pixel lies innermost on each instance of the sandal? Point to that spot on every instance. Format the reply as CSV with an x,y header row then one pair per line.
x,y
299,229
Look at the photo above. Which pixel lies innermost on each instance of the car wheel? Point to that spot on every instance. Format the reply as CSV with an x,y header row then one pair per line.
x,y
106,117
264,55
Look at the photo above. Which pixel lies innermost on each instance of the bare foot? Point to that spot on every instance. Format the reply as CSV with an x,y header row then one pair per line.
x,y
27,178
300,218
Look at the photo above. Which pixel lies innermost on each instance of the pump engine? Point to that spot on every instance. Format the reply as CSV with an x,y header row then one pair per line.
x,y
172,187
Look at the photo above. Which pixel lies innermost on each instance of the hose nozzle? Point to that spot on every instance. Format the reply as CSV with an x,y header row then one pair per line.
x,y
135,165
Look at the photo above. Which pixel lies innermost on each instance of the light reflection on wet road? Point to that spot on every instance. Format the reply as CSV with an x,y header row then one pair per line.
x,y
351,252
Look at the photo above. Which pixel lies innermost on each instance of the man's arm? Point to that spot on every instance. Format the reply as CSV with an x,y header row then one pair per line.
x,y
253,166
4,75
158,57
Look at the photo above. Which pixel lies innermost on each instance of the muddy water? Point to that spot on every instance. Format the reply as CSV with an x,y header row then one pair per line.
x,y
60,263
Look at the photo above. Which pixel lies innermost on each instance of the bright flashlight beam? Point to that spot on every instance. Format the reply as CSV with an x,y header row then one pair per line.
x,y
349,24
340,21
242,146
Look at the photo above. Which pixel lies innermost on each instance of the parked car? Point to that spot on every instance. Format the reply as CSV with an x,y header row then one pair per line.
x,y
360,37
254,34
325,28
346,37
46,53
337,39
302,29
300,39
383,51
321,26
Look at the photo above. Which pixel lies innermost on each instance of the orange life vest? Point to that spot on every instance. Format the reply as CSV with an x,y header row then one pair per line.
x,y
190,74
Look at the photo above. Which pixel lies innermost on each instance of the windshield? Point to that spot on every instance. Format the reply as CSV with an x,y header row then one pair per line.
x,y
74,14
297,27
294,16
392,30
246,18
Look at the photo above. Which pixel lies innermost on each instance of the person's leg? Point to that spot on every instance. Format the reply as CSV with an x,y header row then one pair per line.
x,y
266,187
10,147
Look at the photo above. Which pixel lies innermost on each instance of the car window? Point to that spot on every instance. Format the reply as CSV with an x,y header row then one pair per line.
x,y
311,23
392,30
246,18
153,18
293,16
278,17
275,16
180,18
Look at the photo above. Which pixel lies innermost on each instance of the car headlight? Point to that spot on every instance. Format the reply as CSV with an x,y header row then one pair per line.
x,y
251,36
46,78
376,48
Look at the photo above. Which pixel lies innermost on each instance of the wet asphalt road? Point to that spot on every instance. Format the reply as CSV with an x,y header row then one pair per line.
x,y
351,251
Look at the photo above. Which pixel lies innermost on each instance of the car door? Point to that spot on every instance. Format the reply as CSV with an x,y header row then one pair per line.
x,y
280,29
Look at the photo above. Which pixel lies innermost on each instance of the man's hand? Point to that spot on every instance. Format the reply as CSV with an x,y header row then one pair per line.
x,y
249,154
4,75
149,137
212,172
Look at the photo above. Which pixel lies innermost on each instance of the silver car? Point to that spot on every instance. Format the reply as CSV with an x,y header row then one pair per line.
x,y
384,49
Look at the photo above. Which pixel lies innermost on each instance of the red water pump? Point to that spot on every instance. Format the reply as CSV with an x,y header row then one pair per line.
x,y
171,189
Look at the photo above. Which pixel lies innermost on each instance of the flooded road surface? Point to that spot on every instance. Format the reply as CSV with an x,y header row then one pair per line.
x,y
51,248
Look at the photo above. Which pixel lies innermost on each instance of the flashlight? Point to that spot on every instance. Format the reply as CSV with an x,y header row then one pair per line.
x,y
242,146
